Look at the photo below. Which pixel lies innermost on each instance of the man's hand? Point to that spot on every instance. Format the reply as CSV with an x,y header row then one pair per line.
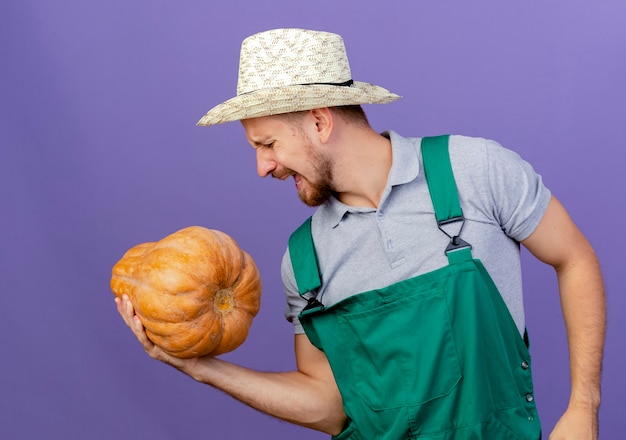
x,y
126,310
577,424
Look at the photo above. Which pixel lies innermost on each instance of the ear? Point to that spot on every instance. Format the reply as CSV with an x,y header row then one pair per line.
x,y
324,123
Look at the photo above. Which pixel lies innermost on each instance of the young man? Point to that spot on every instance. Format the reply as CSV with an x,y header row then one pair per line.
x,y
405,293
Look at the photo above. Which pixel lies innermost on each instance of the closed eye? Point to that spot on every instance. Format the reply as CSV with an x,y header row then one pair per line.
x,y
263,145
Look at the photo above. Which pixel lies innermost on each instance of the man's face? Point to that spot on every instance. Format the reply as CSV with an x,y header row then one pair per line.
x,y
284,149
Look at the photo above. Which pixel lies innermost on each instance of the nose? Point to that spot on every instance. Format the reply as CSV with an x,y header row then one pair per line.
x,y
265,164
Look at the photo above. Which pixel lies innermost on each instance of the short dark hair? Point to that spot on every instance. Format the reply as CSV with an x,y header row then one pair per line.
x,y
350,113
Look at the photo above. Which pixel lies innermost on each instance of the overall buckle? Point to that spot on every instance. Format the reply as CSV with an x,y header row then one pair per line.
x,y
456,242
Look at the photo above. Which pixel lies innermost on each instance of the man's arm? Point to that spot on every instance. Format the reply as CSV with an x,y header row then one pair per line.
x,y
558,242
307,397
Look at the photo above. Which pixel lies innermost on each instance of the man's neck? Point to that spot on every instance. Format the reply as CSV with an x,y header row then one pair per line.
x,y
362,168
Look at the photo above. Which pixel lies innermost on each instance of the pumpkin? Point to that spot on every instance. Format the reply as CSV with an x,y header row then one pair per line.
x,y
196,291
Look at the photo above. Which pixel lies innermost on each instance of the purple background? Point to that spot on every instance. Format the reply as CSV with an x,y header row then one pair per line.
x,y
99,151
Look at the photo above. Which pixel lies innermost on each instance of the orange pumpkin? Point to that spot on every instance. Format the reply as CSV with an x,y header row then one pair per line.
x,y
195,291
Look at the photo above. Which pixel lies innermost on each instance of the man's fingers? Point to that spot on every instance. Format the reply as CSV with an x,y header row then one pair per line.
x,y
126,310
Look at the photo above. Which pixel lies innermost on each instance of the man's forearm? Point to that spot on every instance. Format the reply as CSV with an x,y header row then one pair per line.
x,y
290,396
584,311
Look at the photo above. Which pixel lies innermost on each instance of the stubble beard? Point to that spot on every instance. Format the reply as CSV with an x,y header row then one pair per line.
x,y
313,193
318,192
321,190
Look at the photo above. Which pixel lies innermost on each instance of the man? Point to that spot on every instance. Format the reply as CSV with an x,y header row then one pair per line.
x,y
400,330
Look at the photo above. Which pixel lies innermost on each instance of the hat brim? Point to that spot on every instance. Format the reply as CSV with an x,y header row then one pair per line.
x,y
287,99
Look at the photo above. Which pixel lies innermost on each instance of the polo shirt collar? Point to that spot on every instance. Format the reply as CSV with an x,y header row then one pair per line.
x,y
404,169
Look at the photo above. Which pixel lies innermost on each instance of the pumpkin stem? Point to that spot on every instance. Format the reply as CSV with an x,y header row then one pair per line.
x,y
224,301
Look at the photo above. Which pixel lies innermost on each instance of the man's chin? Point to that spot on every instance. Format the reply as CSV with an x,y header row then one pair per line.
x,y
314,200
310,203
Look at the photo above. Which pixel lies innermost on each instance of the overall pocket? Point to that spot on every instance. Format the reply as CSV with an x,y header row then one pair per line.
x,y
402,353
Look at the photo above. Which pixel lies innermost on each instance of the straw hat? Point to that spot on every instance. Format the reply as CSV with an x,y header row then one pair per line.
x,y
289,70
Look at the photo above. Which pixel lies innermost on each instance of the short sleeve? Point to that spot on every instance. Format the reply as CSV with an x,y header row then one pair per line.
x,y
295,303
520,197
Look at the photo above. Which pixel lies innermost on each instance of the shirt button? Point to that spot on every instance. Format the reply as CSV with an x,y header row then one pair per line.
x,y
529,397
525,365
381,216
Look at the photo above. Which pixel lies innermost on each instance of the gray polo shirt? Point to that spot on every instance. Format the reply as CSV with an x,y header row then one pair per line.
x,y
361,249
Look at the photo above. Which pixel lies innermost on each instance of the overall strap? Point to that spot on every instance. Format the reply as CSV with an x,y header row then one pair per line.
x,y
444,194
304,259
